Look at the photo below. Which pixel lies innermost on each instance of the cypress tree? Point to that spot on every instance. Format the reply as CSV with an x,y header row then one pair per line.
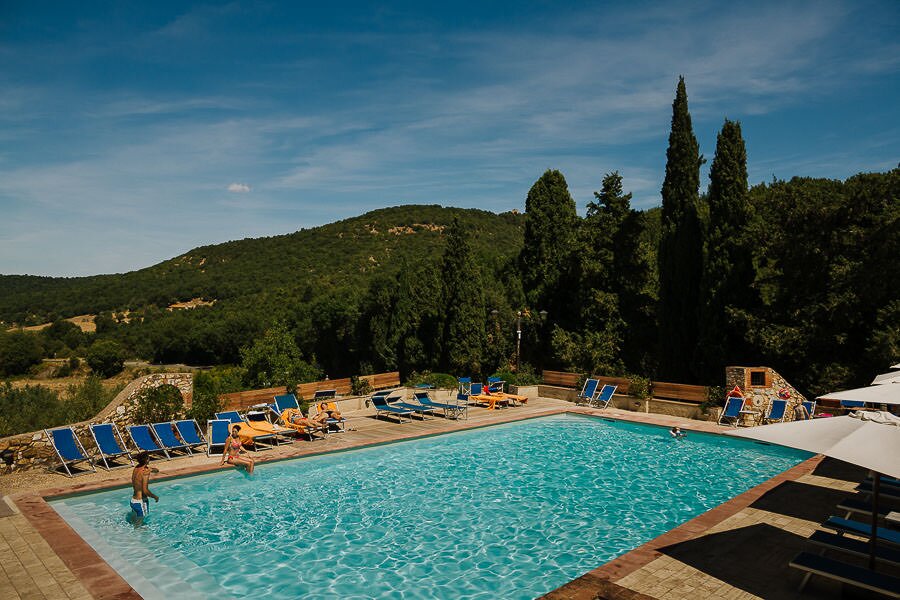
x,y
546,260
462,300
728,269
680,247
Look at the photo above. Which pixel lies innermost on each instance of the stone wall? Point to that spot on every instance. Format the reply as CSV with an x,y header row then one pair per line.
x,y
759,397
29,451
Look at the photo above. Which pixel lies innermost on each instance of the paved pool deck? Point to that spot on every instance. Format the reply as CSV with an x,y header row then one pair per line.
x,y
739,549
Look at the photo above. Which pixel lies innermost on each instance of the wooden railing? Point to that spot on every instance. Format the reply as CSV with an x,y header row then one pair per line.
x,y
561,378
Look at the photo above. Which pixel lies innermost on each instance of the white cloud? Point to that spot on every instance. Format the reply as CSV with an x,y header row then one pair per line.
x,y
238,188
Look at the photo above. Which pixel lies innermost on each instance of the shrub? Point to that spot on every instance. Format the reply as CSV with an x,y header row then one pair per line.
x,y
155,405
19,352
86,399
638,386
359,386
105,358
438,380
208,386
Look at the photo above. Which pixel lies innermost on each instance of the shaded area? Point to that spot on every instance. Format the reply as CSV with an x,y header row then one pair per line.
x,y
754,559
838,469
801,501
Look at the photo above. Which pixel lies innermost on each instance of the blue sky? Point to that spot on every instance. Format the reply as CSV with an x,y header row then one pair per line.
x,y
131,132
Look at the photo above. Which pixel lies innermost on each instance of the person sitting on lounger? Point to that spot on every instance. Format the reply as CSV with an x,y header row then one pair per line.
x,y
140,481
233,449
677,433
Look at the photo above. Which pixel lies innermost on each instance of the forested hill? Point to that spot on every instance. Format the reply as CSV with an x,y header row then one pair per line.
x,y
308,262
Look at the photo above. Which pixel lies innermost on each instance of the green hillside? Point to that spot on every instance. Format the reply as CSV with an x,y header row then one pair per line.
x,y
311,261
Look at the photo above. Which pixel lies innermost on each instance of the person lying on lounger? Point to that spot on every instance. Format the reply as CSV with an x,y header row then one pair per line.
x,y
233,449
330,413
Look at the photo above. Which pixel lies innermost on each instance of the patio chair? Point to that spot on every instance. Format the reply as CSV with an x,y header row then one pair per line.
x,y
166,436
190,432
284,401
68,449
588,391
465,385
321,395
143,438
416,407
873,581
854,505
451,411
292,418
603,398
891,536
495,385
218,431
851,405
810,406
382,406
848,545
110,443
250,433
776,411
733,405
479,396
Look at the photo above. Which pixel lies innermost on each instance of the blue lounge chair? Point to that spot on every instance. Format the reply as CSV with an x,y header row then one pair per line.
x,y
380,402
495,385
262,430
69,449
873,581
733,405
843,543
231,415
776,411
588,391
849,405
218,431
143,438
417,407
810,406
284,401
168,439
322,395
110,443
891,536
605,395
190,432
451,411
465,385
891,492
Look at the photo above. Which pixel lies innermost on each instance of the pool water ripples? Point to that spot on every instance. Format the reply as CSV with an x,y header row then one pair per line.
x,y
510,511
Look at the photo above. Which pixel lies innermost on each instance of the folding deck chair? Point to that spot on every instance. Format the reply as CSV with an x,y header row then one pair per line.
x,y
810,406
167,438
190,432
733,405
604,396
110,443
143,438
588,391
218,431
776,411
68,449
265,431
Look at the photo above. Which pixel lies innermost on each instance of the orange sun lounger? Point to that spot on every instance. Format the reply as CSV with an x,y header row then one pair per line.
x,y
304,426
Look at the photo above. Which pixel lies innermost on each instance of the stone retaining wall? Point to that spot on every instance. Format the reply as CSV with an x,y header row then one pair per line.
x,y
30,451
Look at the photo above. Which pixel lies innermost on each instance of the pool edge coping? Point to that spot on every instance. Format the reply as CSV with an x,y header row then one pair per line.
x,y
102,581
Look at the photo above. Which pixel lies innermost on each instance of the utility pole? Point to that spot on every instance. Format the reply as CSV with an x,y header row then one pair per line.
x,y
518,337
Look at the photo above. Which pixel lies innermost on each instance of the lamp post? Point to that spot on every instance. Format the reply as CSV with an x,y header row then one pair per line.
x,y
518,337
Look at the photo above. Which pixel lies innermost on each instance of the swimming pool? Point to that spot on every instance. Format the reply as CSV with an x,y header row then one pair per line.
x,y
509,511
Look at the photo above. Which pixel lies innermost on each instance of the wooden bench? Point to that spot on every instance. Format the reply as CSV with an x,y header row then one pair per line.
x,y
561,378
678,391
622,383
383,381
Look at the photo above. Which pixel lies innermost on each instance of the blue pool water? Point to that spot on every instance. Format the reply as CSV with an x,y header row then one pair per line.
x,y
511,511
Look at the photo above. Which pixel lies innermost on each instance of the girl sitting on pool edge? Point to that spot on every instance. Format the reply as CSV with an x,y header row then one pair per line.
x,y
233,449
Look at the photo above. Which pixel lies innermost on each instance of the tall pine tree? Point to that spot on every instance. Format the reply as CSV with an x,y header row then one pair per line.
x,y
728,268
680,248
547,258
462,301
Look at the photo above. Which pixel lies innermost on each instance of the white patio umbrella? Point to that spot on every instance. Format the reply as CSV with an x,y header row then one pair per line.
x,y
897,366
876,394
892,377
870,439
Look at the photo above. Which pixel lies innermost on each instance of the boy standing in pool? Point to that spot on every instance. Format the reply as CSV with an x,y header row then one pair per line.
x,y
140,481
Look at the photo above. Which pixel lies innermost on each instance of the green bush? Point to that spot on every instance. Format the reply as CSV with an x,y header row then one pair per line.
x,y
86,399
208,386
360,387
19,352
443,381
638,386
28,408
105,358
159,404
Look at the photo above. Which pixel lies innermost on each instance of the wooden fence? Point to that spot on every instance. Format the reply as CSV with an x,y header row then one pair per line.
x,y
243,400
658,389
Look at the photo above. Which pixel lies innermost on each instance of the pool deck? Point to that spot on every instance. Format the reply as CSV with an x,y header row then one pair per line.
x,y
739,549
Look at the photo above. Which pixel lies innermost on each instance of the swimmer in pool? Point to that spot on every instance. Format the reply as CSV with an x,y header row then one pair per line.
x,y
140,481
677,433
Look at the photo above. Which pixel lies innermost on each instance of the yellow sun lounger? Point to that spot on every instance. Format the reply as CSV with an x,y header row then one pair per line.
x,y
303,425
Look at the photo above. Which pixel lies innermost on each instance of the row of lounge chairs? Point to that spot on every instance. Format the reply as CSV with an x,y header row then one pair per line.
x,y
776,411
847,537
156,438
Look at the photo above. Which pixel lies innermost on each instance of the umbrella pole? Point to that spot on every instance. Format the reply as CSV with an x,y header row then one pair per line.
x,y
876,484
